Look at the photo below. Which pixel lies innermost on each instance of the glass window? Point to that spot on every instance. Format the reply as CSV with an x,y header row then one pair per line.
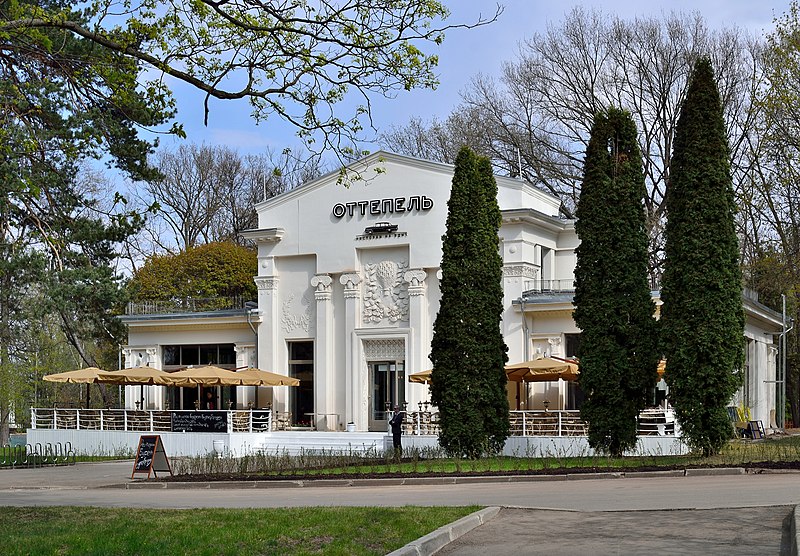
x,y
190,355
172,355
227,355
301,351
208,355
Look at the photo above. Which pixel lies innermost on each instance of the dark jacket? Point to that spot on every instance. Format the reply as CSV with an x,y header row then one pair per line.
x,y
396,422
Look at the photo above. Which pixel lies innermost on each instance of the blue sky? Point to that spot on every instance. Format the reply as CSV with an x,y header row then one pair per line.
x,y
463,54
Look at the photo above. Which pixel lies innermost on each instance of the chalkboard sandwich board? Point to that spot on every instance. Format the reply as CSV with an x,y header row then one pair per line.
x,y
150,456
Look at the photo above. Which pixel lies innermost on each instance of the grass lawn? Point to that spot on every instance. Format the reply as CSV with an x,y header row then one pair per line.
x,y
288,531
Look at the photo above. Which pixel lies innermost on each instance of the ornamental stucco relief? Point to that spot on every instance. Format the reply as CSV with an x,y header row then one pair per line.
x,y
385,292
291,319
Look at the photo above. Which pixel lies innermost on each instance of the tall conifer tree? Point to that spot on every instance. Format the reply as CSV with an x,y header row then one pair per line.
x,y
614,308
467,350
702,316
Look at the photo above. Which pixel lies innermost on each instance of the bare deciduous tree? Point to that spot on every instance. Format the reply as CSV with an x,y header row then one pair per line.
x,y
209,193
535,119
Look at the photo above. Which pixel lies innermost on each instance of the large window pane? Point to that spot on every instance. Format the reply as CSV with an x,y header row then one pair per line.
x,y
172,355
301,351
190,355
208,355
227,356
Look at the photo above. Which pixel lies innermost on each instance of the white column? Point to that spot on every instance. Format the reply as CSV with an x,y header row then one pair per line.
x,y
324,386
245,357
268,305
352,320
417,320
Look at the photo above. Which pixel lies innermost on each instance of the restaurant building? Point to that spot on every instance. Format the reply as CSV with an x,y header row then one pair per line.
x,y
348,290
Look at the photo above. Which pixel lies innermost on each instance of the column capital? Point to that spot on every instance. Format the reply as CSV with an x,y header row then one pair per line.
x,y
266,282
350,281
323,286
415,278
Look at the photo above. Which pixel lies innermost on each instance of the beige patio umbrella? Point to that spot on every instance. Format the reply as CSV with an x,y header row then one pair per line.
x,y
136,375
207,375
257,377
89,375
542,370
422,377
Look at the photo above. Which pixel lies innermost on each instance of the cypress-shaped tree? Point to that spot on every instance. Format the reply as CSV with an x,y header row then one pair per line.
x,y
702,318
613,306
468,353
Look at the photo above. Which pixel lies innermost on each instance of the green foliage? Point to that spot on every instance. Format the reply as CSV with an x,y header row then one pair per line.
x,y
614,308
468,353
298,61
702,317
213,270
63,100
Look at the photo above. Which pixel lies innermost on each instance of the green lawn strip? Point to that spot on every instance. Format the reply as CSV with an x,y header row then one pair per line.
x,y
737,453
284,531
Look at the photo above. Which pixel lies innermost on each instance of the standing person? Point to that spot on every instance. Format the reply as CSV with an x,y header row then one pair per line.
x,y
209,399
396,422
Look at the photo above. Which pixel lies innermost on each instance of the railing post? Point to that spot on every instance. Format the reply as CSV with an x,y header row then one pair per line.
x,y
524,423
151,421
230,421
55,418
78,419
125,419
560,433
33,417
269,421
101,419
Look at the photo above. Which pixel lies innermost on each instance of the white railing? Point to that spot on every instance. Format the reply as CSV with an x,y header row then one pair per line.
x,y
420,423
546,423
243,420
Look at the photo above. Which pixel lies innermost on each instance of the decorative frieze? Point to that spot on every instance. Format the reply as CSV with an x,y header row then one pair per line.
x,y
520,271
385,292
384,349
292,320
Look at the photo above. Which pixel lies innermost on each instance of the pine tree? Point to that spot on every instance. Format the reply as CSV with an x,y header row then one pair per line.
x,y
702,317
614,308
468,353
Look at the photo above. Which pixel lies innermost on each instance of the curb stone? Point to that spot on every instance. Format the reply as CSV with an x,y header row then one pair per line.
x,y
438,539
414,481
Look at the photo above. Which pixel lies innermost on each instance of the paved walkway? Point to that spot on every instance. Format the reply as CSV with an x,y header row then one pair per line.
x,y
723,513
729,532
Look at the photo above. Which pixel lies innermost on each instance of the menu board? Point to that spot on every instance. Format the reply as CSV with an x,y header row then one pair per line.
x,y
150,456
199,421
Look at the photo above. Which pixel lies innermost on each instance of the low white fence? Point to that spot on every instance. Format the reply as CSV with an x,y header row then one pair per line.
x,y
652,422
129,420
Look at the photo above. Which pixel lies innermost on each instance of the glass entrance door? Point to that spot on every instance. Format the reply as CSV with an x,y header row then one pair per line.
x,y
388,381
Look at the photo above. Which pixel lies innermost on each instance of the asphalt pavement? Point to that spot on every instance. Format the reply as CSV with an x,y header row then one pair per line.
x,y
725,512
